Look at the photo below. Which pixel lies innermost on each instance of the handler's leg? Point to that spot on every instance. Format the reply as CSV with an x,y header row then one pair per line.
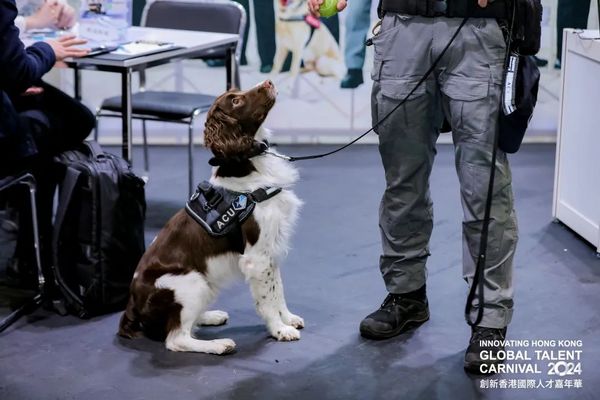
x,y
407,147
472,89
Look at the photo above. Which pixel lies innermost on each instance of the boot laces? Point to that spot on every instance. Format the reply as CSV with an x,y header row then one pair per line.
x,y
487,333
392,300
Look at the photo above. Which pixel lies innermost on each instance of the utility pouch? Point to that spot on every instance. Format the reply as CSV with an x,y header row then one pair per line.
x,y
519,97
443,8
527,27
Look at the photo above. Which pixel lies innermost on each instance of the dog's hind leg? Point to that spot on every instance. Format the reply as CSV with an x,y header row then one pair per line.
x,y
192,293
129,326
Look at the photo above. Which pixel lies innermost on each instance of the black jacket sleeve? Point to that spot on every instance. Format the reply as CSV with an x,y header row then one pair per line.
x,y
20,67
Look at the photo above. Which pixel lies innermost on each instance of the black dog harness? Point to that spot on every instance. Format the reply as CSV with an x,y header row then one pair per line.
x,y
221,212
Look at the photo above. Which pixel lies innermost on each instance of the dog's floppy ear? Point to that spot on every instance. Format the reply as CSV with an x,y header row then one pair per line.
x,y
223,134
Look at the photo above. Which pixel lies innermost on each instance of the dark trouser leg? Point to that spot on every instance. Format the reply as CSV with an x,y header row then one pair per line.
x,y
570,14
407,148
56,120
333,23
57,123
357,25
264,15
246,5
472,89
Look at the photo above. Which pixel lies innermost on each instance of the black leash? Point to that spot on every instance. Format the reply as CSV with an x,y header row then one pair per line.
x,y
421,81
478,284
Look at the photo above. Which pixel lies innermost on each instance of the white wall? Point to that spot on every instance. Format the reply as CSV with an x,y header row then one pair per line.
x,y
320,113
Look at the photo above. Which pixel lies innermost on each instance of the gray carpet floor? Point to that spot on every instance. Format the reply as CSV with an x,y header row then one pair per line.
x,y
331,278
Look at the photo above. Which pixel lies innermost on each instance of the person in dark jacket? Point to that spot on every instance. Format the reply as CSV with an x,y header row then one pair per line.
x,y
37,120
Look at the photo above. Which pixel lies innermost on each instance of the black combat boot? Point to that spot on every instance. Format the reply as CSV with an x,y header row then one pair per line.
x,y
488,341
397,314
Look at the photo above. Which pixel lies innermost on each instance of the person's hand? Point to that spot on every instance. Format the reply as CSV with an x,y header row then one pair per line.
x,y
66,18
33,91
313,6
482,3
46,16
64,47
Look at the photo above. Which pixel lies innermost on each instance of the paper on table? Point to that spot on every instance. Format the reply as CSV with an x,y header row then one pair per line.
x,y
141,47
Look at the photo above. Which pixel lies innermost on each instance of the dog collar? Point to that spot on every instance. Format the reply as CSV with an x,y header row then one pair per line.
x,y
258,149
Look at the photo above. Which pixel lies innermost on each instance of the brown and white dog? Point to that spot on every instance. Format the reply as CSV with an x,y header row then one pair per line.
x,y
184,268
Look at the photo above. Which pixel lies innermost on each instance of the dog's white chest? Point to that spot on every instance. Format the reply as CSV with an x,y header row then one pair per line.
x,y
276,219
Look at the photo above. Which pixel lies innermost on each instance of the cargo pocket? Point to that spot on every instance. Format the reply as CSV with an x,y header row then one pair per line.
x,y
488,31
470,106
385,38
408,116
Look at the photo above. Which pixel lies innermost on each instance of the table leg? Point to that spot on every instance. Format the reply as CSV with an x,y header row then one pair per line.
x,y
126,114
233,79
77,83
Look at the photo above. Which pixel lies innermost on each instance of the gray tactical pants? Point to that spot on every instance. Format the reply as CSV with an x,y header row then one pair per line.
x,y
466,88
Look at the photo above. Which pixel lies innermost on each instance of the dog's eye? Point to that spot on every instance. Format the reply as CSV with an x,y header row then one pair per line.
x,y
236,101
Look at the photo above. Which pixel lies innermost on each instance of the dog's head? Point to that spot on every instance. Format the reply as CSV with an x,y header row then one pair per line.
x,y
235,118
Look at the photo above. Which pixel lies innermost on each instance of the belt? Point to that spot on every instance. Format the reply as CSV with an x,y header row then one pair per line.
x,y
446,8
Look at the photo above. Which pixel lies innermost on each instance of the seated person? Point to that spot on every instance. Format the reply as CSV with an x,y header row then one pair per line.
x,y
41,14
37,120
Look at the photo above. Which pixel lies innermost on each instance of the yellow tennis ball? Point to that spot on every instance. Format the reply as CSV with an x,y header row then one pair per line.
x,y
328,8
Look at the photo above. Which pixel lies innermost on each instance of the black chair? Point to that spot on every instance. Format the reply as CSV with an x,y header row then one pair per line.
x,y
7,183
201,15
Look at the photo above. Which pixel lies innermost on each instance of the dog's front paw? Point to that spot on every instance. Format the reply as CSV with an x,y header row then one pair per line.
x,y
293,320
223,346
285,333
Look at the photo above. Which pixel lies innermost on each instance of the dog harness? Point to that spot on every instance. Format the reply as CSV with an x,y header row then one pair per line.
x,y
221,212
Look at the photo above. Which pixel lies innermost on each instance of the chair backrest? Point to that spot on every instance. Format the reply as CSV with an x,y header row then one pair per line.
x,y
221,16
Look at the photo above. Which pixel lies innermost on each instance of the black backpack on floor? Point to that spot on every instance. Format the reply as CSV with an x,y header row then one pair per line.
x,y
98,235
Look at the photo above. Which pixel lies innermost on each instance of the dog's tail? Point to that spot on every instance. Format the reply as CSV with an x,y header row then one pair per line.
x,y
130,326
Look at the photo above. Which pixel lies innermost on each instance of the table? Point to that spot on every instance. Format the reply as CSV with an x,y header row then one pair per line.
x,y
189,44
577,174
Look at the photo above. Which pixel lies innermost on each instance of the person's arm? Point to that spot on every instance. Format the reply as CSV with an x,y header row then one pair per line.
x,y
67,17
42,16
20,67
